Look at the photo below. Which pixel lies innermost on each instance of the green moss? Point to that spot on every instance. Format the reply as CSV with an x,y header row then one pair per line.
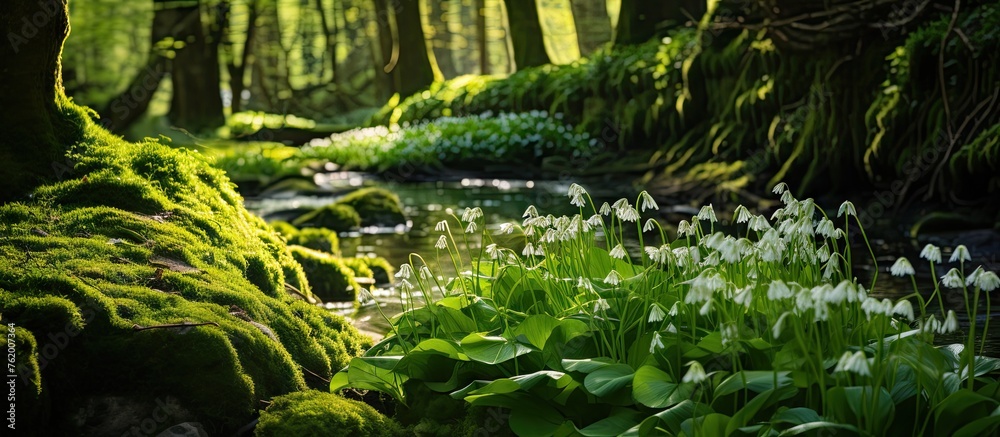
x,y
382,271
376,206
142,236
337,217
359,267
321,239
318,413
329,277
284,229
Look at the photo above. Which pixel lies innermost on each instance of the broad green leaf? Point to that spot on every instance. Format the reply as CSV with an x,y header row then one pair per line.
x,y
754,380
712,424
904,385
746,414
607,380
453,323
850,403
796,416
614,425
376,373
533,418
509,385
654,388
586,365
339,381
438,346
964,403
670,419
980,427
491,350
813,426
536,329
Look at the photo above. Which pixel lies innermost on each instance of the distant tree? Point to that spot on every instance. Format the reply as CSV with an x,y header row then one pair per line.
x,y
526,33
410,62
481,39
639,21
196,101
593,26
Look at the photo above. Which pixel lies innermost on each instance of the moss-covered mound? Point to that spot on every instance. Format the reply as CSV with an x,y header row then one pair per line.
x,y
376,206
315,413
283,228
321,239
338,217
331,279
140,278
382,271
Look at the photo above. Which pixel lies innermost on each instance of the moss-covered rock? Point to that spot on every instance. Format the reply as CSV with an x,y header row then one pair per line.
x,y
376,206
284,228
329,276
359,267
321,239
340,218
141,277
317,413
382,270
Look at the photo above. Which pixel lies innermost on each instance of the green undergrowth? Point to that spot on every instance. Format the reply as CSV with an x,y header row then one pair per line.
x,y
730,109
759,327
141,276
330,277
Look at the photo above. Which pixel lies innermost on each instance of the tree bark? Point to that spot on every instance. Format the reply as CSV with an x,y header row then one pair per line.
x,y
483,43
237,70
440,38
196,103
638,22
412,71
34,125
593,26
526,34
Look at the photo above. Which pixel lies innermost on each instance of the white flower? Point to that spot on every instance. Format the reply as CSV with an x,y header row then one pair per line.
x,y
931,253
656,313
856,363
707,213
674,310
493,251
618,252
703,286
950,324
601,305
706,308
695,373
759,223
744,296
953,279
584,284
647,201
730,250
961,254
471,228
838,294
613,278
530,212
405,286
671,328
901,267
823,253
441,226
595,220
825,228
605,209
628,214
649,225
988,281
831,268
848,208
441,243
425,273
776,329
684,229
657,342
787,198
471,214
742,214
930,324
576,193
780,188
528,249
506,228
874,306
974,276
405,271
778,290
904,308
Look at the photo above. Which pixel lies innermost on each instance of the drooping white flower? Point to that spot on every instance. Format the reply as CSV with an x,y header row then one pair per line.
x,y
605,209
674,310
730,250
613,278
628,214
595,220
441,226
840,293
425,273
576,193
831,268
649,225
405,271
847,208
826,228
706,308
950,323
441,243
787,198
823,253
671,328
744,296
528,249
618,252
647,202
695,373
707,213
703,286
712,260
930,324
585,284
657,342
471,229
961,254
904,308
780,188
405,286
931,253
901,267
953,279
988,281
601,305
506,228
742,214
855,363
759,223
778,290
684,229
974,276
471,214
493,251
656,313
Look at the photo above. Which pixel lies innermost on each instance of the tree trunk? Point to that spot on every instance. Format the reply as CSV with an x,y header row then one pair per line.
x,y
237,70
412,71
526,34
593,26
383,68
638,22
196,103
34,130
440,38
484,53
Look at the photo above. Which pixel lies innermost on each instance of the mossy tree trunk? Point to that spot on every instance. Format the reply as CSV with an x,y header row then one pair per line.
x,y
34,130
526,33
638,21
411,65
593,25
383,63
